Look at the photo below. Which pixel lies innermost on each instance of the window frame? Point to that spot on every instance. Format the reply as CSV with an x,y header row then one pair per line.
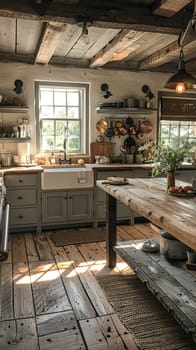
x,y
84,109
188,116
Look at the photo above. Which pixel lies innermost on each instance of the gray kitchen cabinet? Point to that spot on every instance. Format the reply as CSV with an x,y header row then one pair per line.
x,y
67,207
23,194
143,173
185,174
123,212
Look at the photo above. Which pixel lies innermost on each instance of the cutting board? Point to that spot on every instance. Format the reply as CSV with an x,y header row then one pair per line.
x,y
100,149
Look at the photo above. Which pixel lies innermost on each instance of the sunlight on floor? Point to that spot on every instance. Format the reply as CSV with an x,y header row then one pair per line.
x,y
49,272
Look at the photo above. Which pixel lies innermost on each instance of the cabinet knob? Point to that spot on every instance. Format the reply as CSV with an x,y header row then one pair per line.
x,y
70,197
20,180
20,216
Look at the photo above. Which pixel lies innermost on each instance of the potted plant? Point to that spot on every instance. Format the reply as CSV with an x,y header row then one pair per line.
x,y
167,159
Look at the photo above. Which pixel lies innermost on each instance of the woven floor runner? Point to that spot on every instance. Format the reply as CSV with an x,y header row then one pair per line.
x,y
152,327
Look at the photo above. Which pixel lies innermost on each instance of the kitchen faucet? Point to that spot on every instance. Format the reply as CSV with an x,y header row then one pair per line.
x,y
65,148
65,160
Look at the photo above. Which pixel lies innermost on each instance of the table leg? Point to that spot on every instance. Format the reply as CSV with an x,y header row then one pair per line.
x,y
110,231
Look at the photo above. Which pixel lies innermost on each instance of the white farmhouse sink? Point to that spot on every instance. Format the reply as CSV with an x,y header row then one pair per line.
x,y
66,178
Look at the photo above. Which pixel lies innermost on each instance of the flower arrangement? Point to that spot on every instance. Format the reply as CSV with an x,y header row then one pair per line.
x,y
166,158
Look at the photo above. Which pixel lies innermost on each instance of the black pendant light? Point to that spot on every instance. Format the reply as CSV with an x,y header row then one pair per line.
x,y
181,80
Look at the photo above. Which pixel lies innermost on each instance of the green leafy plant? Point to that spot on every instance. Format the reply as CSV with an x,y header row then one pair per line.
x,y
166,158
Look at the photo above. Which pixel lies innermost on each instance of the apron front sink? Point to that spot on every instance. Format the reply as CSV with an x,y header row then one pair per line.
x,y
66,178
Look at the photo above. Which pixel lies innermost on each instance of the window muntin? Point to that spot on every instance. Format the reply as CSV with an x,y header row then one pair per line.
x,y
176,132
62,115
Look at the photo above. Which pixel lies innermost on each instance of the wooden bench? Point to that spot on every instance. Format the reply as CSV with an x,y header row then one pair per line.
x,y
170,281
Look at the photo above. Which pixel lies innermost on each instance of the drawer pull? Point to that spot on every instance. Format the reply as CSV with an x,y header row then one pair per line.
x,y
19,198
20,216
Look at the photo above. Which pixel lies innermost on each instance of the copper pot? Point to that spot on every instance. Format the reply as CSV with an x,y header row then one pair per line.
x,y
102,126
146,127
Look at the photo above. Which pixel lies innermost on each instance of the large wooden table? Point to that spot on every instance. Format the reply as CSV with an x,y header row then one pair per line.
x,y
170,281
148,197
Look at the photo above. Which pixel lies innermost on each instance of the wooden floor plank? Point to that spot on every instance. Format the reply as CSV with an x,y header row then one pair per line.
x,y
7,334
6,293
124,334
65,296
30,247
42,246
92,333
146,230
91,286
18,248
56,322
48,291
110,332
68,340
79,300
18,335
23,300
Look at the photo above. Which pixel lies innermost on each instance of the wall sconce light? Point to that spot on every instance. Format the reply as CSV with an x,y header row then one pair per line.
x,y
18,87
181,80
105,89
84,21
148,93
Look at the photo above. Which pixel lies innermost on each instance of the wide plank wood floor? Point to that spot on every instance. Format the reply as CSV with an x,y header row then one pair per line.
x,y
50,299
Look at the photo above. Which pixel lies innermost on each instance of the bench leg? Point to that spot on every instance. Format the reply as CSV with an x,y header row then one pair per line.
x,y
110,231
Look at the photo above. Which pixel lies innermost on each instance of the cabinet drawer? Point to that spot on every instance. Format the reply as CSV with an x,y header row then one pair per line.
x,y
23,216
22,180
18,198
102,175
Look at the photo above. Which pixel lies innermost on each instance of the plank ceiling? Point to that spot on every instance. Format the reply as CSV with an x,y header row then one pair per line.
x,y
125,34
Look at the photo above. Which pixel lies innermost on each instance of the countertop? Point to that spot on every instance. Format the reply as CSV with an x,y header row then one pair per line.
x,y
94,166
21,169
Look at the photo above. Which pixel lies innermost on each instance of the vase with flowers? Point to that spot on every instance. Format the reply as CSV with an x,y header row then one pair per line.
x,y
167,159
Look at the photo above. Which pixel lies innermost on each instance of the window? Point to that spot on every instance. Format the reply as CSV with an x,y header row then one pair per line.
x,y
62,111
177,119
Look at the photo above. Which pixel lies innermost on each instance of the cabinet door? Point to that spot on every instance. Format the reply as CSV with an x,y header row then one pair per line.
x,y
54,207
80,206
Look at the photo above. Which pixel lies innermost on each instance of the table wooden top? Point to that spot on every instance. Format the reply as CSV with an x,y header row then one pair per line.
x,y
149,198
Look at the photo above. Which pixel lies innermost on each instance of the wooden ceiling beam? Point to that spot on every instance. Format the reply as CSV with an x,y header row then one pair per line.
x,y
168,8
49,41
162,56
117,49
131,18
168,53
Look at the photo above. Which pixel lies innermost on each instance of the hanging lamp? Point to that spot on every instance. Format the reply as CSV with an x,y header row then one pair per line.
x,y
182,80
84,21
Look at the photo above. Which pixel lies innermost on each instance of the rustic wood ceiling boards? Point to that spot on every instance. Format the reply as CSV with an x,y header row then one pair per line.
x,y
126,34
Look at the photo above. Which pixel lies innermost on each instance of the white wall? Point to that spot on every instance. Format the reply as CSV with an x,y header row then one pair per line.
x,y
122,84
